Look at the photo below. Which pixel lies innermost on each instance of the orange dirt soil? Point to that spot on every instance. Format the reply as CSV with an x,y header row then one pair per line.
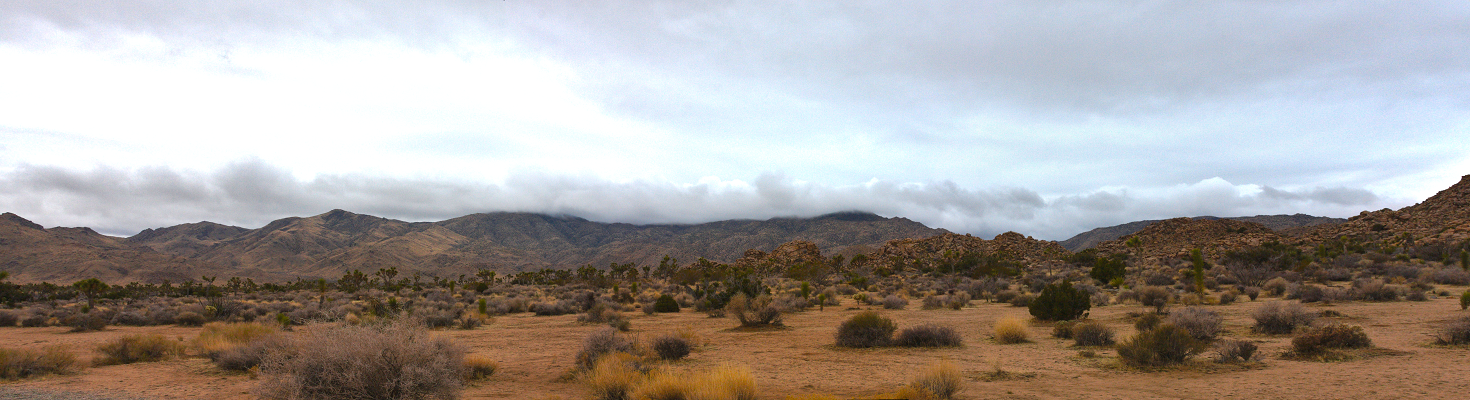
x,y
534,352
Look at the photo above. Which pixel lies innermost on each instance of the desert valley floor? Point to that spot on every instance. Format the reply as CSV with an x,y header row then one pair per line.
x,y
536,352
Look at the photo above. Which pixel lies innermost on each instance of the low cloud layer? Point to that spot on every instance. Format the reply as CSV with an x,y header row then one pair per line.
x,y
251,193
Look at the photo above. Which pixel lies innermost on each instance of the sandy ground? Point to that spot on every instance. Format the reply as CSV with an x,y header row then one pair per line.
x,y
534,352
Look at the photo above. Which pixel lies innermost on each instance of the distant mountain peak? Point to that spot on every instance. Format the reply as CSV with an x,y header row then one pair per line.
x,y
18,220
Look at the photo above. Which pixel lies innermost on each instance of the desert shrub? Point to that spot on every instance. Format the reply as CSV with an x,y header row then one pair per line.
x,y
138,348
1062,329
1465,300
1275,287
436,318
928,335
1455,333
478,367
34,320
957,301
1092,333
670,347
1005,296
1280,318
8,319
1164,345
1101,298
1416,295
1155,296
666,304
469,322
599,343
1376,290
1023,300
830,297
26,363
600,313
894,302
550,308
1226,298
1010,330
1147,321
1201,323
866,329
130,318
1234,350
759,311
933,302
393,360
1060,302
939,381
1253,292
189,318
1333,336
86,322
249,354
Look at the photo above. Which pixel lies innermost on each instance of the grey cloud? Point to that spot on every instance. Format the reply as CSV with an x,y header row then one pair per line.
x,y
251,193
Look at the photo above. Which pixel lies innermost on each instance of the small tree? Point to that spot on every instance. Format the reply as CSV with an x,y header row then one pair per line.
x,y
90,287
1109,269
1060,302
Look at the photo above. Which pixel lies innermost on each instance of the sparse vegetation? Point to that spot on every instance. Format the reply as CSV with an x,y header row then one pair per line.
x,y
27,363
1234,351
1280,318
394,360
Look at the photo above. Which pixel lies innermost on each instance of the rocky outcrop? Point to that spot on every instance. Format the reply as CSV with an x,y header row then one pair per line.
x,y
1174,238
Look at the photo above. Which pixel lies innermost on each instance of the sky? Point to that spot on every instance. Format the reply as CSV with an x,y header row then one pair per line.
x,y
1044,118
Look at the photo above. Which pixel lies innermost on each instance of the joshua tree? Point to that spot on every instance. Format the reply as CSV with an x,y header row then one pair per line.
x,y
90,287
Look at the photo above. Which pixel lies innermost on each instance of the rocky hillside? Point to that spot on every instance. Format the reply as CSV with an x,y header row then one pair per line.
x,y
1442,218
932,251
1290,225
1174,238
326,245
32,253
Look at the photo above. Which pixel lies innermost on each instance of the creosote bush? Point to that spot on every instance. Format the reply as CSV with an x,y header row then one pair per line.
x,y
392,360
1147,321
1062,329
866,329
894,302
928,335
138,348
26,363
1280,318
1092,333
1011,330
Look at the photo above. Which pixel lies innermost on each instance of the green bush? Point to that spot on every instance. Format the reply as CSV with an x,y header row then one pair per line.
x,y
1164,345
866,329
1059,302
1465,300
666,304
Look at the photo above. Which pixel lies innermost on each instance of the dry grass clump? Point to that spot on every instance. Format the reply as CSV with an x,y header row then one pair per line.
x,y
138,348
620,376
479,367
1010,330
1280,318
220,336
928,335
393,360
940,381
601,343
894,302
26,363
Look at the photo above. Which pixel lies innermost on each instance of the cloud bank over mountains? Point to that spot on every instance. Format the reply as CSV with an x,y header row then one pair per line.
x,y
251,193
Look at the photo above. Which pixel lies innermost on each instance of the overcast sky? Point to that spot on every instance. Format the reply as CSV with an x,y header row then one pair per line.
x,y
1045,118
